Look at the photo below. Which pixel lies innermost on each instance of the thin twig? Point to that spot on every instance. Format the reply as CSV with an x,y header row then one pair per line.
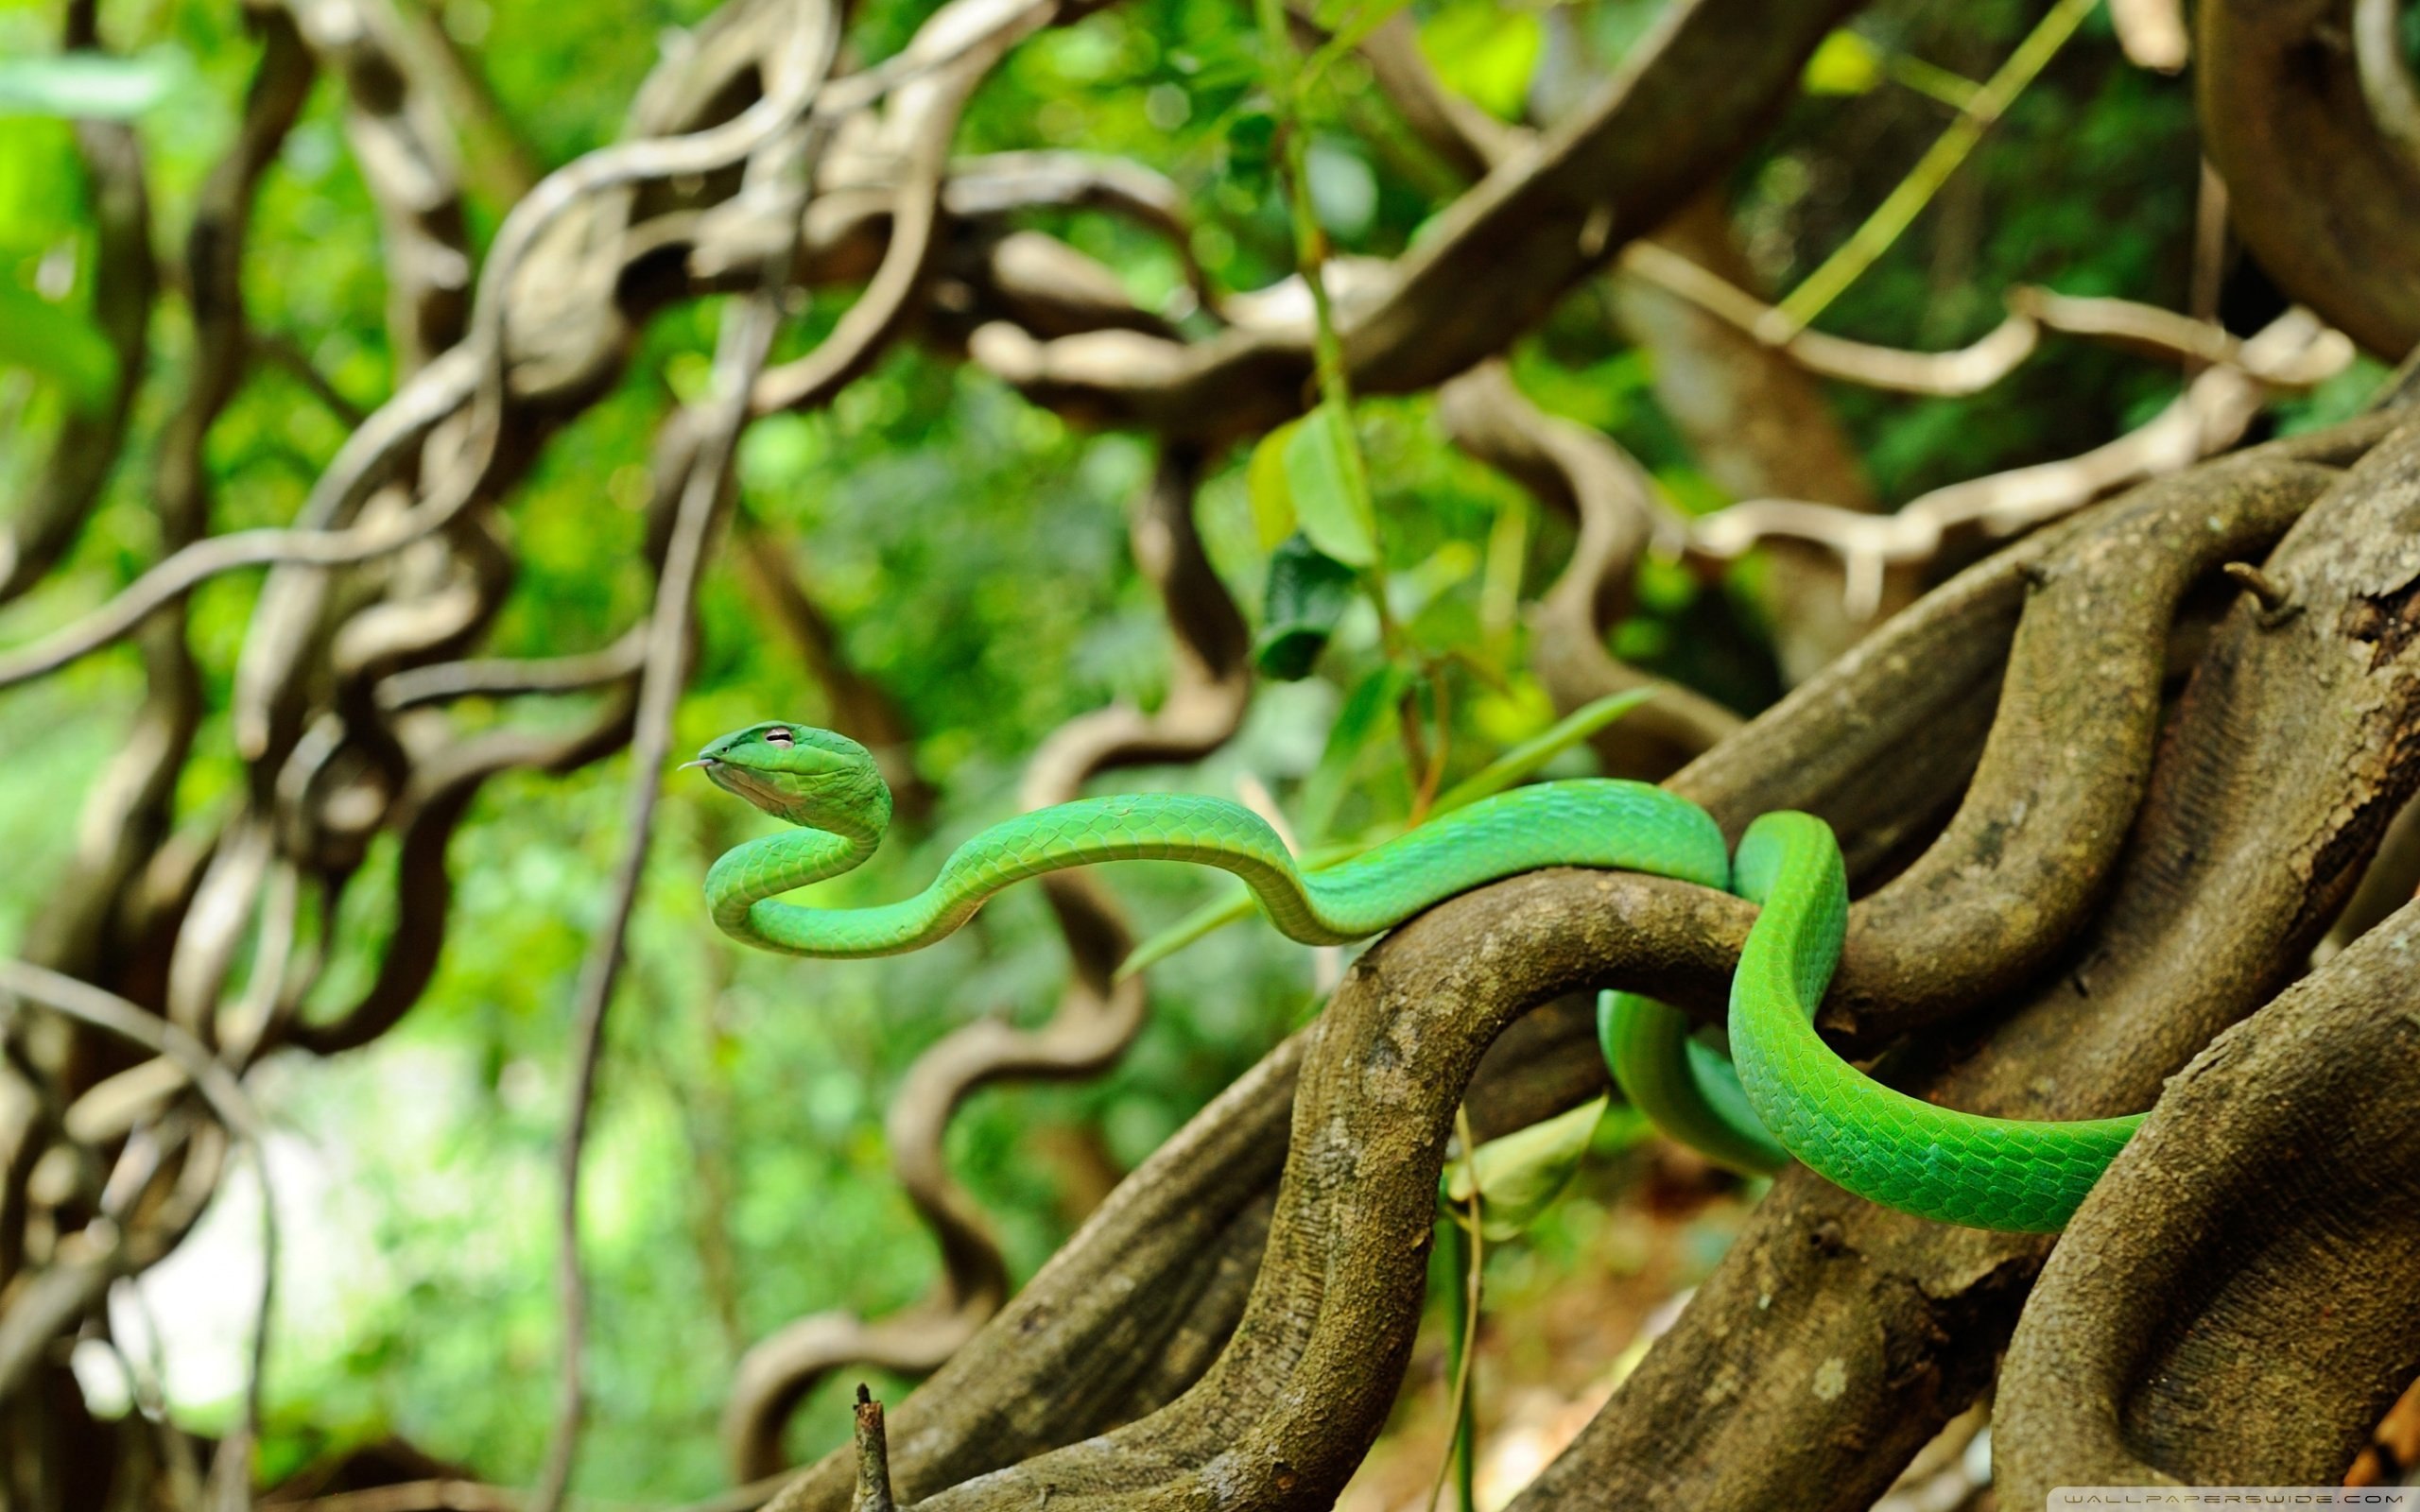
x,y
513,677
2209,248
2386,78
2211,414
2151,33
1470,1251
502,159
112,1014
2197,338
1432,776
147,1383
282,353
873,1456
1283,78
2147,328
448,1495
2272,595
412,1496
1967,371
1900,209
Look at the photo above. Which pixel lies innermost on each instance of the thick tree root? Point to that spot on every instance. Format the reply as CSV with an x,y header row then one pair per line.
x,y
1836,1337
2233,1304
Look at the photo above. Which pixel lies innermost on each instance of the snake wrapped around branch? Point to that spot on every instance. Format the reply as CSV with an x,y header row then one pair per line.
x,y
1780,1093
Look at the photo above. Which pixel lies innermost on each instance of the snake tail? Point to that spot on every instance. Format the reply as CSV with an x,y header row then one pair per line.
x,y
1879,1142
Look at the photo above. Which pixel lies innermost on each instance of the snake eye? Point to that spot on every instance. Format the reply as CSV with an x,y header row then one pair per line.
x,y
778,736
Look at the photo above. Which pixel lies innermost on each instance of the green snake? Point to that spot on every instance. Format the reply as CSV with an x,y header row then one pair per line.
x,y
1781,1095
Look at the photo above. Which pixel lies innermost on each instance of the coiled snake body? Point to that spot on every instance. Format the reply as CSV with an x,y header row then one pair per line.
x,y
1782,1094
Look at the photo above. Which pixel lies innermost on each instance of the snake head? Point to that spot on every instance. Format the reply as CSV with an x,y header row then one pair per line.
x,y
807,775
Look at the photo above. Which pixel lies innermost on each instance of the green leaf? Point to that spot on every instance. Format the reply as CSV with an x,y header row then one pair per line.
x,y
1307,593
1288,652
1251,143
1331,496
43,197
1272,502
1520,1175
1843,63
57,345
85,86
1486,53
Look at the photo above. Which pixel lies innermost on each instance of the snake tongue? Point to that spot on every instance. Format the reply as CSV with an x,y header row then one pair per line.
x,y
702,761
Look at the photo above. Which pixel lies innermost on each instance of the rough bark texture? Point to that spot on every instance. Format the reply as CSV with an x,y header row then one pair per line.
x,y
2317,194
2204,1322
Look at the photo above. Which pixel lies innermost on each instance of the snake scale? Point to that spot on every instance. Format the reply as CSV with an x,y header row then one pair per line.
x,y
1781,1093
